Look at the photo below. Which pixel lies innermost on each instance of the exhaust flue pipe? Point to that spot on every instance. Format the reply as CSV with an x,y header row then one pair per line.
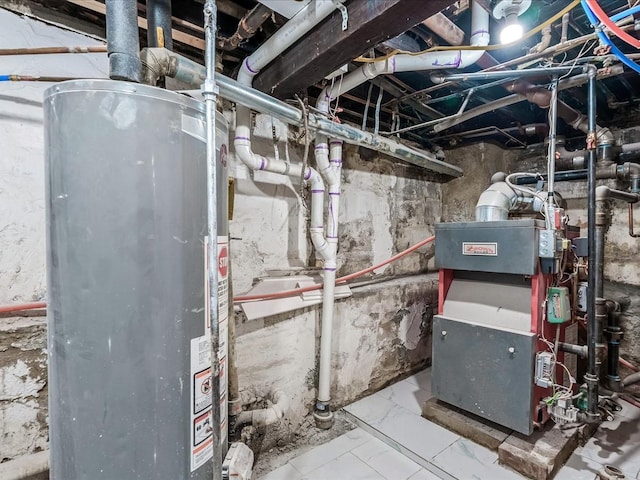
x,y
159,28
123,43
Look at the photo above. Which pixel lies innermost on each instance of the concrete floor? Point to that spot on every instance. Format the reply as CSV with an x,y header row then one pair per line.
x,y
395,442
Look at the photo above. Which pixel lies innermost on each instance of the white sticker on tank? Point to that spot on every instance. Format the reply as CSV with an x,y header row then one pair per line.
x,y
223,320
201,438
223,328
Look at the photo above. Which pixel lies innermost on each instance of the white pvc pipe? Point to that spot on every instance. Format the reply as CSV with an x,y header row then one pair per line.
x,y
303,21
293,30
25,467
331,166
266,416
426,61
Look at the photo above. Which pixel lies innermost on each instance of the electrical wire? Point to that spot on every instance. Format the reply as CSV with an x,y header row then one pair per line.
x,y
600,14
604,38
527,35
346,278
304,107
366,108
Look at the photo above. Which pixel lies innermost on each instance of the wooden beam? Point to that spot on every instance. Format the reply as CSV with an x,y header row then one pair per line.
x,y
178,36
327,47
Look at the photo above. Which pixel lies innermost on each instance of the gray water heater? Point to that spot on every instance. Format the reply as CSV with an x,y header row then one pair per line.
x,y
129,358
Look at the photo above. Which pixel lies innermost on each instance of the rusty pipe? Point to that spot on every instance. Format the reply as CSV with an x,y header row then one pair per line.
x,y
52,50
247,27
541,96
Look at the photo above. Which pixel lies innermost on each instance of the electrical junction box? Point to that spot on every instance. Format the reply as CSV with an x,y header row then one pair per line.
x,y
558,306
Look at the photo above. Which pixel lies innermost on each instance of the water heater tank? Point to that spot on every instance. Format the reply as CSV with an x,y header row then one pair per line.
x,y
129,358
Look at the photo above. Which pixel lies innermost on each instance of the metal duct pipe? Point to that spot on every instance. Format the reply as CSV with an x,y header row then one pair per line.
x,y
163,62
123,43
571,82
159,29
534,94
439,77
626,171
542,97
580,350
498,200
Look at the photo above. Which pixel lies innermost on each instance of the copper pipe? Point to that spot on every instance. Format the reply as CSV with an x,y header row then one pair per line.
x,y
50,50
22,307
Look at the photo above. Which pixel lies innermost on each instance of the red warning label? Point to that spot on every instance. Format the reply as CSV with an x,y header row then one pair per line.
x,y
223,259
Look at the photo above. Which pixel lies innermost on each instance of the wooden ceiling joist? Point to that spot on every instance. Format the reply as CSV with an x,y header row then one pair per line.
x,y
327,47
178,35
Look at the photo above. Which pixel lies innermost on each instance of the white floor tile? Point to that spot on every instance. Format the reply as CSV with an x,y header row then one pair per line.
x,y
371,409
346,467
422,379
328,452
467,460
411,431
388,462
578,468
285,472
616,443
424,475
406,394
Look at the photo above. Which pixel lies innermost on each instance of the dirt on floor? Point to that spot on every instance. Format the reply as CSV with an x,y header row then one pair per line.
x,y
268,458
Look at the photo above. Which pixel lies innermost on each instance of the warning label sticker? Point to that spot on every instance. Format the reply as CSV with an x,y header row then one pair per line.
x,y
202,390
201,402
202,428
223,327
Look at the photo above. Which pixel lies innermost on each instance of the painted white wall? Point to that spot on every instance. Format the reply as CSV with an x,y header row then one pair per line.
x,y
23,394
22,256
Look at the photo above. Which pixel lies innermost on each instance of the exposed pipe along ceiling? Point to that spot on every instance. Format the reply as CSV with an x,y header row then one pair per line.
x,y
419,104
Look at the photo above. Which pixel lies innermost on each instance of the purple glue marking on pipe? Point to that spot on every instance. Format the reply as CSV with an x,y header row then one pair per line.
x,y
242,138
246,62
317,191
330,269
262,163
307,175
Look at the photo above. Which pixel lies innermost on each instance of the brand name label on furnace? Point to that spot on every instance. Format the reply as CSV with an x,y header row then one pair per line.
x,y
480,249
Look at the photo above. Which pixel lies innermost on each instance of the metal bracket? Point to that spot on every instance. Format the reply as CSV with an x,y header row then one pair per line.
x,y
343,12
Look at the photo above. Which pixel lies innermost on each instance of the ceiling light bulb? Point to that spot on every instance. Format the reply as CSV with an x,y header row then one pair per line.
x,y
512,31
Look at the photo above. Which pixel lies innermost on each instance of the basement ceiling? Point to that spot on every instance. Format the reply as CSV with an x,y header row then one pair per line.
x,y
410,98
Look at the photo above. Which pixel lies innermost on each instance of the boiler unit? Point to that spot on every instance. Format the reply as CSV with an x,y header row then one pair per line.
x,y
129,351
501,307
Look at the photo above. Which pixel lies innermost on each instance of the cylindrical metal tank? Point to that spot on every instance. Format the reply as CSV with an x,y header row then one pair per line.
x,y
126,225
